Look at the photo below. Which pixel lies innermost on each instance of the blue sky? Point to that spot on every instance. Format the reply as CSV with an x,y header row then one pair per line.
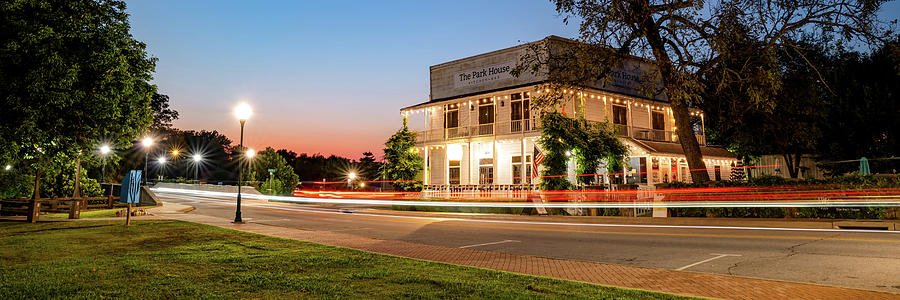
x,y
322,76
328,77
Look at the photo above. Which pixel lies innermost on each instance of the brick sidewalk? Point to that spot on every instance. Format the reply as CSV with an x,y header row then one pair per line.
x,y
661,280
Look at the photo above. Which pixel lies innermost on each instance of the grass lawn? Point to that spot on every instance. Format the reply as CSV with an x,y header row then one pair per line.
x,y
100,213
173,259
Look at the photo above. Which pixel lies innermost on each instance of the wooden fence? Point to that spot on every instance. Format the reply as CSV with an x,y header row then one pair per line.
x,y
74,206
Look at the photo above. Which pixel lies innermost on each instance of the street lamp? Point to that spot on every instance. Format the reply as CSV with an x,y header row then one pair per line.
x,y
242,112
104,151
148,141
7,168
350,178
197,159
161,162
250,154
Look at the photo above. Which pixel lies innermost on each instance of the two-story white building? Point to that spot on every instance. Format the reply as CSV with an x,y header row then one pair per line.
x,y
478,128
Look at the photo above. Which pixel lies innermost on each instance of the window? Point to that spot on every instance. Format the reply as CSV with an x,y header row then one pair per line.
x,y
517,174
451,116
519,113
659,120
620,115
486,171
486,111
718,173
454,172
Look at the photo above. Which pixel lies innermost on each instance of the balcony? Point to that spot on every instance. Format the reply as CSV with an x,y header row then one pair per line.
x,y
500,128
532,125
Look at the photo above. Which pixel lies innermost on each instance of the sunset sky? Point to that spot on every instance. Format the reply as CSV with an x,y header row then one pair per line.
x,y
322,76
328,77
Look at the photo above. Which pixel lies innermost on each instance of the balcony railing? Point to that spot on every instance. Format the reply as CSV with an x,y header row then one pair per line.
x,y
532,125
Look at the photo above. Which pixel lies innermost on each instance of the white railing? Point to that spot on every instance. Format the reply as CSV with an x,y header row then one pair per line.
x,y
532,125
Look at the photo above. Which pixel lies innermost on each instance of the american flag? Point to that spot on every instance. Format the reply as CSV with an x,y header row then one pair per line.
x,y
538,158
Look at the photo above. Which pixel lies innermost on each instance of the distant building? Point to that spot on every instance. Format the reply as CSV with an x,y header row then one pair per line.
x,y
479,128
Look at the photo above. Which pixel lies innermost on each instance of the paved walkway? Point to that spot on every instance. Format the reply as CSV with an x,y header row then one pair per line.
x,y
668,281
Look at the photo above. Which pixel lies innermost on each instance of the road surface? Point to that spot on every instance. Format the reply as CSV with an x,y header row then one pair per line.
x,y
866,260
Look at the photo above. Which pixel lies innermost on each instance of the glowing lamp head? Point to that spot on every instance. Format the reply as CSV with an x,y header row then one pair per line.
x,y
175,152
198,158
351,176
147,142
251,153
161,159
104,149
7,168
243,111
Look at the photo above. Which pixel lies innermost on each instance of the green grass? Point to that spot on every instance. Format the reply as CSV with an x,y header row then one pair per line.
x,y
91,214
173,259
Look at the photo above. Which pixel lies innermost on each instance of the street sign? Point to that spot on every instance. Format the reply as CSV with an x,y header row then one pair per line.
x,y
131,187
271,170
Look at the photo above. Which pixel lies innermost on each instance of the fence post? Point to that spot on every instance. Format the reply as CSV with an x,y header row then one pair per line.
x,y
109,201
74,210
34,209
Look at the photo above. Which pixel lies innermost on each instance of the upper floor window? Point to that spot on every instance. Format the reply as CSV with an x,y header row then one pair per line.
x,y
486,111
658,120
519,107
620,115
451,116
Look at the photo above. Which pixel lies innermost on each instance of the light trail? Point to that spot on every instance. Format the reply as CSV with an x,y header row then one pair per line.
x,y
617,204
597,225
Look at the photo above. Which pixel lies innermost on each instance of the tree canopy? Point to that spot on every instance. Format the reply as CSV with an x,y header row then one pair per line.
x,y
686,41
282,181
402,161
73,77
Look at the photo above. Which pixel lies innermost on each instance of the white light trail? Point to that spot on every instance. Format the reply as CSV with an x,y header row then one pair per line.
x,y
331,211
679,204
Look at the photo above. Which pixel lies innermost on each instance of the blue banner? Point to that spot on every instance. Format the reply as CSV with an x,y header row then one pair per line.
x,y
131,187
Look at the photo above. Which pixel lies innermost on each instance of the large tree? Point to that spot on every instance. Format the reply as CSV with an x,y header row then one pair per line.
x,y
71,77
403,164
687,40
282,180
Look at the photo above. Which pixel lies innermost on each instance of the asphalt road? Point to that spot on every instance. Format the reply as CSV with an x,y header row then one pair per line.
x,y
867,260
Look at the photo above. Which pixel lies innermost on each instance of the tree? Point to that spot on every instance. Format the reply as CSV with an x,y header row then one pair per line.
x,y
72,77
788,122
687,40
283,180
589,144
368,166
403,164
862,109
163,116
289,156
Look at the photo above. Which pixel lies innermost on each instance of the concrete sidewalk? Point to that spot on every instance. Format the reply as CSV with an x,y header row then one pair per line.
x,y
668,281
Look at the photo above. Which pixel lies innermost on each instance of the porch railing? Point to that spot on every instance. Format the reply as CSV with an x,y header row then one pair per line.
x,y
532,125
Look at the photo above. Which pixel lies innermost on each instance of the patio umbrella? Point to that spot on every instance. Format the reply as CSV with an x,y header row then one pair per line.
x,y
864,166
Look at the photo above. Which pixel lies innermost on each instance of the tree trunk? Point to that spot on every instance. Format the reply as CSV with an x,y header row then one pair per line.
x,y
37,184
689,143
792,164
76,192
672,83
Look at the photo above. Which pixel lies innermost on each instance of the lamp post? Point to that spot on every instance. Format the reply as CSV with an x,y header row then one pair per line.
x,y
104,151
350,178
147,143
197,159
242,112
161,163
250,154
175,153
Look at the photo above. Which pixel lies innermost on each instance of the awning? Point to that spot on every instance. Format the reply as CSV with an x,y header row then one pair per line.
x,y
666,148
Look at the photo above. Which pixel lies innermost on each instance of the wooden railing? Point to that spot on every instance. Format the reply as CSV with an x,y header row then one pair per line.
x,y
32,208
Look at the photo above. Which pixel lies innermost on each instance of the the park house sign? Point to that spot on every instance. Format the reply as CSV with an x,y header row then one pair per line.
x,y
483,75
